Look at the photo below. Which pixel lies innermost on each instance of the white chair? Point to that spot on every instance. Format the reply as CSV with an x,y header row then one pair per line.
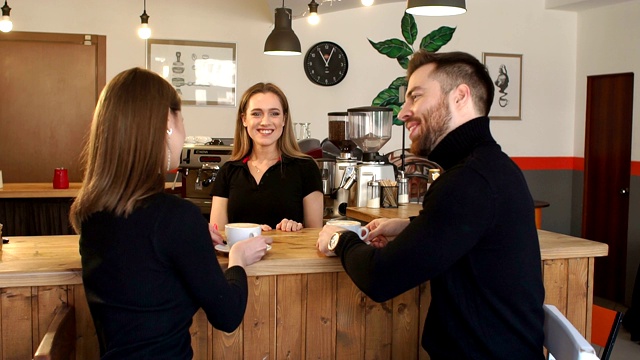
x,y
562,339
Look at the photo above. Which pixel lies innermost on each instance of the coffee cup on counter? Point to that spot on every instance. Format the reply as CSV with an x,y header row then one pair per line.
x,y
351,225
241,231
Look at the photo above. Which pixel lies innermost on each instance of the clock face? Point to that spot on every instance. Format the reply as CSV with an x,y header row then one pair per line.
x,y
326,63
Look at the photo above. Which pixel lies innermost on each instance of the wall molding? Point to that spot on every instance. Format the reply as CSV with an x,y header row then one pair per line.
x,y
561,163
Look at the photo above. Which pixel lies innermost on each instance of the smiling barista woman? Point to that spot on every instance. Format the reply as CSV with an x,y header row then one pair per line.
x,y
268,180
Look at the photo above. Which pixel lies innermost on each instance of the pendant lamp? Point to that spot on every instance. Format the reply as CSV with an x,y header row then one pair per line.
x,y
282,40
436,7
313,17
144,31
5,22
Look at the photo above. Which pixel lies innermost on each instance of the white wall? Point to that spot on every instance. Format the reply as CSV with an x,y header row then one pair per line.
x,y
608,44
546,38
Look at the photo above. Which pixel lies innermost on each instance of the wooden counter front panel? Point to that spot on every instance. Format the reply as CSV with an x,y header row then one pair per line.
x,y
316,316
26,313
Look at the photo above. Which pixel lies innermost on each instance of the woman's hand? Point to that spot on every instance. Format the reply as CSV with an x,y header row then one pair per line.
x,y
289,225
216,237
246,252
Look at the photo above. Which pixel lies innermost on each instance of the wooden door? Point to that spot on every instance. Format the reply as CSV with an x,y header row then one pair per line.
x,y
50,85
605,210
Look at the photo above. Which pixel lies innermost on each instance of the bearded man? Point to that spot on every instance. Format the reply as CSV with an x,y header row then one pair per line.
x,y
475,239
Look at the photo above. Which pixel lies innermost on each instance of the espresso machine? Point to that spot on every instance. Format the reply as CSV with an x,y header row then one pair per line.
x,y
199,165
370,129
337,194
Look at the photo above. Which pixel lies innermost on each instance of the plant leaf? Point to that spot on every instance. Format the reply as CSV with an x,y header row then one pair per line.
x,y
396,111
404,62
409,28
437,38
393,48
399,81
386,97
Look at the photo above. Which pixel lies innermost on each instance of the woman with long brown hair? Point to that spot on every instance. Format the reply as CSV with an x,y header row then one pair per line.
x,y
148,261
269,180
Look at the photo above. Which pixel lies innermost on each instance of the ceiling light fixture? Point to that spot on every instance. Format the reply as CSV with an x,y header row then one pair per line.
x,y
144,31
5,23
313,17
282,40
436,7
366,2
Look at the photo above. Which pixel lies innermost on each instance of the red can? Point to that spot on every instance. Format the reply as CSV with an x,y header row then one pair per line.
x,y
60,178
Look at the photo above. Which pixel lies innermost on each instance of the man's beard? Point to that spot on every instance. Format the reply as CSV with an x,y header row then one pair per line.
x,y
434,124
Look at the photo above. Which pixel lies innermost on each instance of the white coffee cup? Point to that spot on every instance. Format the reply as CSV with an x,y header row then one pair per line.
x,y
352,225
241,231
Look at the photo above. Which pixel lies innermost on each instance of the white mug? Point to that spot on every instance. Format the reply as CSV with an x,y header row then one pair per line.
x,y
241,231
352,225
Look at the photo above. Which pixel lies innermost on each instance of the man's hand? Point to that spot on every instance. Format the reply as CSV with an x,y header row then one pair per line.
x,y
324,236
383,230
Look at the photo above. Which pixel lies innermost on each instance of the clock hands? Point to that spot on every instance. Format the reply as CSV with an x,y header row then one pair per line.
x,y
326,58
331,54
326,62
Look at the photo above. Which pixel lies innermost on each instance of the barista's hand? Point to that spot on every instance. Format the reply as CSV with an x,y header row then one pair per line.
x,y
382,231
289,225
216,237
265,227
246,252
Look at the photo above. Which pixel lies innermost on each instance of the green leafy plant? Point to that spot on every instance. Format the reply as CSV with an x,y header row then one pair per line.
x,y
402,52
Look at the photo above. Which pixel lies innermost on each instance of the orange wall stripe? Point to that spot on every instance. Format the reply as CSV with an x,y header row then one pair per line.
x,y
561,163
549,163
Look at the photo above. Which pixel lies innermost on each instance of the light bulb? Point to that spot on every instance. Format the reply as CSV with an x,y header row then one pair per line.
x,y
144,31
367,2
313,18
5,24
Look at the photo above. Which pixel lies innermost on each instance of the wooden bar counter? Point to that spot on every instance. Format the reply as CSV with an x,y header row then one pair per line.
x,y
301,303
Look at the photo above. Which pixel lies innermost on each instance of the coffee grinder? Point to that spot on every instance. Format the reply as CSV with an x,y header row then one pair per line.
x,y
342,193
370,129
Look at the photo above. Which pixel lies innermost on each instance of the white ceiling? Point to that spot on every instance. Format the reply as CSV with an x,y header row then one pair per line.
x,y
300,7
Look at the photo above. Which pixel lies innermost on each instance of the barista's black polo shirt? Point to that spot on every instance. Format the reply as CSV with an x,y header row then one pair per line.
x,y
279,194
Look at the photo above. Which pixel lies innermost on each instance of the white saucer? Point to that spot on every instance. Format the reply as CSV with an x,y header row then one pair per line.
x,y
225,248
222,248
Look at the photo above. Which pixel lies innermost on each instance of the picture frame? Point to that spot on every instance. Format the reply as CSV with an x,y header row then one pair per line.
x,y
203,73
506,73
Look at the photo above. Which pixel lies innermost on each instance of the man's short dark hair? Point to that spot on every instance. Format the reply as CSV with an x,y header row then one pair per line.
x,y
455,68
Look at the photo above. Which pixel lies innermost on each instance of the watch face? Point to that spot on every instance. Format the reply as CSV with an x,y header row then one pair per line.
x,y
333,242
326,63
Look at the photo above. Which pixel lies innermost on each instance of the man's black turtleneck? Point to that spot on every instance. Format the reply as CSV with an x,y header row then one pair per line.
x,y
477,243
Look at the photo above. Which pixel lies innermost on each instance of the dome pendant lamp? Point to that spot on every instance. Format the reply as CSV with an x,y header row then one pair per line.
x,y
282,40
436,7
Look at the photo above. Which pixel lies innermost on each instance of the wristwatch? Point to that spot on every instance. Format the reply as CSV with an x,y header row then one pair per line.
x,y
333,242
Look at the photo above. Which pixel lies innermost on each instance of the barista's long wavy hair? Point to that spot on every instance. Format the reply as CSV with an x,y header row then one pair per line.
x,y
243,144
125,159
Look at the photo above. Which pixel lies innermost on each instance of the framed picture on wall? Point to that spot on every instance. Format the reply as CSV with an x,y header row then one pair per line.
x,y
203,73
506,72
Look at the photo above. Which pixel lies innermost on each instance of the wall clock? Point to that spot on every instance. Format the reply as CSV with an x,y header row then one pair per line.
x,y
326,63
